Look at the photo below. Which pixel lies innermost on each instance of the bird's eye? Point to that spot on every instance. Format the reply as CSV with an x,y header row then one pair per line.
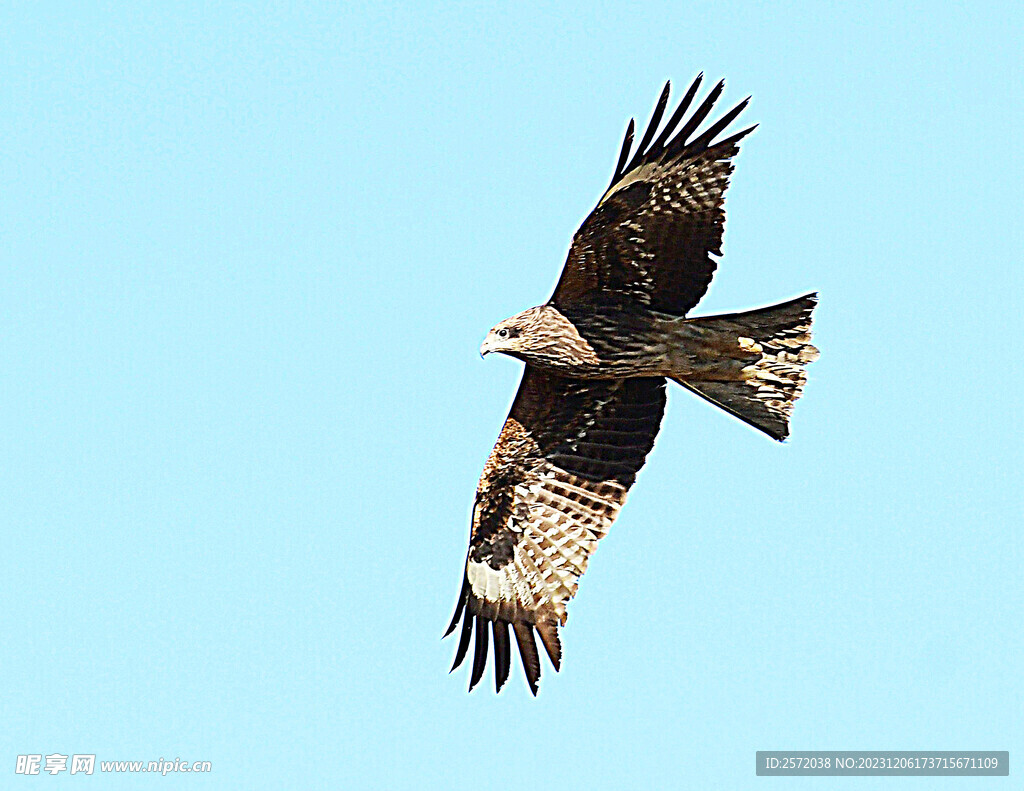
x,y
502,333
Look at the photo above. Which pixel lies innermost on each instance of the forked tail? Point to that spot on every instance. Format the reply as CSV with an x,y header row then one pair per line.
x,y
761,373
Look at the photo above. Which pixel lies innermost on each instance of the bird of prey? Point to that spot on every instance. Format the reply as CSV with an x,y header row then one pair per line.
x,y
598,354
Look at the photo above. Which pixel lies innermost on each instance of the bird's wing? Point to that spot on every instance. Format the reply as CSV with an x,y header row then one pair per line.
x,y
552,486
652,235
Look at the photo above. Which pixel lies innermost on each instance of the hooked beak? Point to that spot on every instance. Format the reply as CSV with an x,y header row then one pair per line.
x,y
486,347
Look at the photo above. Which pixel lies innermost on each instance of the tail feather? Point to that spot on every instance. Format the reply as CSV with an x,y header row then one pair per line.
x,y
774,344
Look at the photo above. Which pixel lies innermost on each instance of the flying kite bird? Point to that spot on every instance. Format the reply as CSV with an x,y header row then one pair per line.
x,y
592,395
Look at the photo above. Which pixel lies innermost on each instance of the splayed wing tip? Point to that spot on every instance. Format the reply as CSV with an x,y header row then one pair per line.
x,y
673,141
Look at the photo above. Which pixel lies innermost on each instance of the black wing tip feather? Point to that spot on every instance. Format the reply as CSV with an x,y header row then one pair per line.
x,y
528,654
678,145
680,110
734,139
627,143
549,637
480,652
467,631
672,142
712,131
499,631
459,606
502,654
652,125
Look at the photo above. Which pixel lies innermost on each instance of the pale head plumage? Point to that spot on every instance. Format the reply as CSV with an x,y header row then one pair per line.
x,y
539,335
515,334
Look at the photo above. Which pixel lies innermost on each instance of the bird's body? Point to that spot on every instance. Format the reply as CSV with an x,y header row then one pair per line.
x,y
597,356
613,341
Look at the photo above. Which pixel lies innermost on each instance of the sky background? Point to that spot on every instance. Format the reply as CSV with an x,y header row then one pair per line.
x,y
247,257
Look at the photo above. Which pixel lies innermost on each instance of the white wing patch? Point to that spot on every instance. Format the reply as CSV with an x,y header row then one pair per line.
x,y
566,517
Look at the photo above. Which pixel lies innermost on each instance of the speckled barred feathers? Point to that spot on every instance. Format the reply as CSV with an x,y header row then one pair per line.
x,y
598,355
552,487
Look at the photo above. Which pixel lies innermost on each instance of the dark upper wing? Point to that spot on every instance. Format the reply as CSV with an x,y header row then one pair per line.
x,y
652,234
552,486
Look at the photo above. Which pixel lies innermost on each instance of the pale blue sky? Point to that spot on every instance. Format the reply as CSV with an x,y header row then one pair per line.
x,y
247,257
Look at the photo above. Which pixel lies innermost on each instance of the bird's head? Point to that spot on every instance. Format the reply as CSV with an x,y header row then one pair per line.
x,y
517,335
